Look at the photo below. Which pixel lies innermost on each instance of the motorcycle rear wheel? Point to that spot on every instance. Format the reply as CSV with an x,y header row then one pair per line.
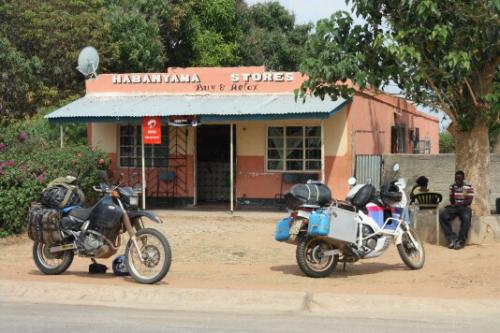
x,y
51,263
412,254
156,253
311,260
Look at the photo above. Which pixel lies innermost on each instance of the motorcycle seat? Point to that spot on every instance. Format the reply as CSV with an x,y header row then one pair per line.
x,y
80,213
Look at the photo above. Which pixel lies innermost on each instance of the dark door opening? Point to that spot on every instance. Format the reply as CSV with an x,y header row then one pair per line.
x,y
213,156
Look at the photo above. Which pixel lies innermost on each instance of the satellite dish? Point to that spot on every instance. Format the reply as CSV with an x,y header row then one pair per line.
x,y
88,61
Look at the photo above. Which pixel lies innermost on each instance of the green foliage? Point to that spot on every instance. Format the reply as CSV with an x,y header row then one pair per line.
x,y
51,34
135,35
446,143
272,39
29,159
18,81
443,54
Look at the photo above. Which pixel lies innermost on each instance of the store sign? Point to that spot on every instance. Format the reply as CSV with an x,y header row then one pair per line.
x,y
183,121
151,130
155,78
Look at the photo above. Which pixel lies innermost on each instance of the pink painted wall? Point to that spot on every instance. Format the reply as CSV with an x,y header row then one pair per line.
x,y
373,116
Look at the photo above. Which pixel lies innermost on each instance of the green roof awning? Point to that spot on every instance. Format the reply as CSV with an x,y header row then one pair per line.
x,y
103,108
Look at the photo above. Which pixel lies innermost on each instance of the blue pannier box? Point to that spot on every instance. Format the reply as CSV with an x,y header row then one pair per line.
x,y
319,224
283,229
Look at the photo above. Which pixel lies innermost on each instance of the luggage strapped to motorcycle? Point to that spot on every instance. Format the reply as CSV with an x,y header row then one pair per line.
x,y
73,195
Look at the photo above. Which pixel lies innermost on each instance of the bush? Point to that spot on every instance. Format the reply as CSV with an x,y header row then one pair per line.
x,y
29,160
446,143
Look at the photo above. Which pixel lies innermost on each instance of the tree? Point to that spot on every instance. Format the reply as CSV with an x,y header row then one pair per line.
x,y
52,33
18,81
135,34
272,39
203,33
446,143
444,54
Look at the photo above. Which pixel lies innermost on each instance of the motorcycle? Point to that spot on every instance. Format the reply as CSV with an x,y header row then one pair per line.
x,y
95,232
327,231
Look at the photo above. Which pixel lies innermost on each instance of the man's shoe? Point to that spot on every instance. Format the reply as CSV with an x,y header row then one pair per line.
x,y
459,245
451,245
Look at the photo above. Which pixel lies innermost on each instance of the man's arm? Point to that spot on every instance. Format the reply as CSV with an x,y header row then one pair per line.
x,y
452,195
468,196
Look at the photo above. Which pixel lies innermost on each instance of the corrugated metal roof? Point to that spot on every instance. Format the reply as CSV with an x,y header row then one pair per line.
x,y
213,107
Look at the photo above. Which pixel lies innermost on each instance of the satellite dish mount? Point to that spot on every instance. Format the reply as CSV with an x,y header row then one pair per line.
x,y
88,61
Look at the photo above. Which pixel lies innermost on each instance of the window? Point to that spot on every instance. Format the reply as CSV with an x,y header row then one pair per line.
x,y
130,148
294,148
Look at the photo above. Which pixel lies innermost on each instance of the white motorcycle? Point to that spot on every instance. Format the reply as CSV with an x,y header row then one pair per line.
x,y
327,231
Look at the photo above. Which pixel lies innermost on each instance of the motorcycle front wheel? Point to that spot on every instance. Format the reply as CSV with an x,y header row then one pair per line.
x,y
311,259
51,263
412,252
156,255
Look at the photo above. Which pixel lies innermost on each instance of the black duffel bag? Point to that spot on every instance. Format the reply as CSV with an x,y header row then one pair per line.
x,y
61,193
312,193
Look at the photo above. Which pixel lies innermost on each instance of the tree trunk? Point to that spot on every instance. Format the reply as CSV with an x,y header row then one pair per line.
x,y
496,148
472,156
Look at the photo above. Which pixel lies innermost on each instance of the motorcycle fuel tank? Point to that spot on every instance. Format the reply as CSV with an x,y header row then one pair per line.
x,y
106,219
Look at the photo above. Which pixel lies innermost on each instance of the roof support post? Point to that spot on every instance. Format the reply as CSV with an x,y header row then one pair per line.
x,y
323,175
61,133
231,167
195,166
143,167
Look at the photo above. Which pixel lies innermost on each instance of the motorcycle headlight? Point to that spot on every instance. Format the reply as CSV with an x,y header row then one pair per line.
x,y
134,201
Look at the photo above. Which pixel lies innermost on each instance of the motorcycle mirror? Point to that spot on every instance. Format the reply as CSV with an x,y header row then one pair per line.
x,y
401,183
395,167
351,181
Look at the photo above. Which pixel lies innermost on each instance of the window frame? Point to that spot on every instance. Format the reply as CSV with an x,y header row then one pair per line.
x,y
304,149
136,146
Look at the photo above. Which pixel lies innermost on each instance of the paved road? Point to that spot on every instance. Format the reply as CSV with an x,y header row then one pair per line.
x,y
27,317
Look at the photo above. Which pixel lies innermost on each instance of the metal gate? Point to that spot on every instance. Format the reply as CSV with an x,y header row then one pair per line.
x,y
368,169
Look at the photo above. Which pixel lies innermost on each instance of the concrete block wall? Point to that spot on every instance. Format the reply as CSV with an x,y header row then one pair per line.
x,y
440,169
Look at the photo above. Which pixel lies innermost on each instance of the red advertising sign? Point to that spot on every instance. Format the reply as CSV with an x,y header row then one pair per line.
x,y
151,130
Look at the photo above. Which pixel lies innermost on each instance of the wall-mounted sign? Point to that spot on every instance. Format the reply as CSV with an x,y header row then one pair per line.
x,y
151,130
183,121
155,78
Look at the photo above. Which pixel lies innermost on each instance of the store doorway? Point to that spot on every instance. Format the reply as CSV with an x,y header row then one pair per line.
x,y
213,167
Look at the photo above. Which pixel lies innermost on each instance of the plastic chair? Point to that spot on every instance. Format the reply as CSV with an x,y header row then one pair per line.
x,y
166,177
429,200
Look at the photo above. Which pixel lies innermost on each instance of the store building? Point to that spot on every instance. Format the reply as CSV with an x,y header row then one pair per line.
x,y
243,121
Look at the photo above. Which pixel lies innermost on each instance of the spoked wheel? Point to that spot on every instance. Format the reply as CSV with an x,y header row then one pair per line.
x,y
411,250
312,260
51,263
156,255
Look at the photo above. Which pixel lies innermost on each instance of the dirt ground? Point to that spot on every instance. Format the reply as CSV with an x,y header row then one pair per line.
x,y
218,251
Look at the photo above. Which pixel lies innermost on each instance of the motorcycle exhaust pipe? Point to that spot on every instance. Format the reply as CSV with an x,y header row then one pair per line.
x,y
61,248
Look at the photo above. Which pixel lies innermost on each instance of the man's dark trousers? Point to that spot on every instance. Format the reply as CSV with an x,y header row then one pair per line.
x,y
464,213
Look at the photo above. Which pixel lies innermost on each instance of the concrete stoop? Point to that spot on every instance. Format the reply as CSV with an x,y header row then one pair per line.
x,y
484,230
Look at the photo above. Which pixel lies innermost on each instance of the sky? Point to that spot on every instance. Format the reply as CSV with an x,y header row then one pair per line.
x,y
313,10
310,10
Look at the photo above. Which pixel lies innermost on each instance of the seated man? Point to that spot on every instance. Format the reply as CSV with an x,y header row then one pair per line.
x,y
461,195
420,187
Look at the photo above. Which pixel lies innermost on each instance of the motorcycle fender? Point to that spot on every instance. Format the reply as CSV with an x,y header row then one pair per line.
x,y
399,238
144,213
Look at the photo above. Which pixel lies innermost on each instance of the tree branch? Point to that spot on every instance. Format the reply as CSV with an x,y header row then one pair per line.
x,y
471,93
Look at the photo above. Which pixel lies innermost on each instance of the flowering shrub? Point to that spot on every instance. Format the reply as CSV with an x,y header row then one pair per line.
x,y
28,161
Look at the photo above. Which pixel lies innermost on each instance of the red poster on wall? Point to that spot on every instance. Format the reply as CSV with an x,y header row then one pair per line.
x,y
151,130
